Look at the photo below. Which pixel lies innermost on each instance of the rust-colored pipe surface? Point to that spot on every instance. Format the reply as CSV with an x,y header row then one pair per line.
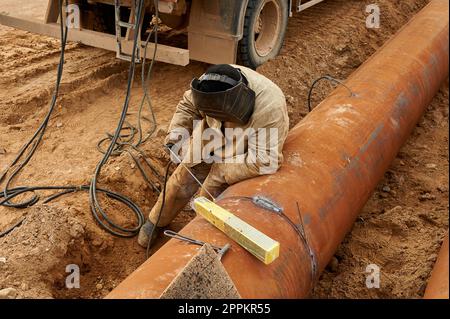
x,y
334,159
437,287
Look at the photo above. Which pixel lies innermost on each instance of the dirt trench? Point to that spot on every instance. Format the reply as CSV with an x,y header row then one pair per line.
x,y
400,229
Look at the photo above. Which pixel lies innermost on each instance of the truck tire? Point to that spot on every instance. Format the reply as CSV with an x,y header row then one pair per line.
x,y
264,30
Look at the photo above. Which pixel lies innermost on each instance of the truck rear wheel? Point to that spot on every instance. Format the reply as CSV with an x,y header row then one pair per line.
x,y
264,29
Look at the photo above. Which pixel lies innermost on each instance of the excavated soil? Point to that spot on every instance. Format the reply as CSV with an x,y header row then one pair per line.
x,y
400,229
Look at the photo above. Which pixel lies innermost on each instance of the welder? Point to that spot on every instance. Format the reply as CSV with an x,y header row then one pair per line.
x,y
247,117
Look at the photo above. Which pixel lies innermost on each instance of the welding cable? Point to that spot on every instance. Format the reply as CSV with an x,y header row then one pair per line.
x,y
34,141
10,229
312,255
125,141
300,230
8,194
97,211
127,147
146,99
152,185
14,192
328,78
123,138
146,81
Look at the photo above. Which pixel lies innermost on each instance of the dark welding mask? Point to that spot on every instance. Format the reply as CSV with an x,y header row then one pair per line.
x,y
234,104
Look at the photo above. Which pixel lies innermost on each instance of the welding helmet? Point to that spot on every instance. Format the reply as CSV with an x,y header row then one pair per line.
x,y
223,93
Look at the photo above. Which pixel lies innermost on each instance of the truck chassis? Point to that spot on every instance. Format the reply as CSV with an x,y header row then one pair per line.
x,y
219,31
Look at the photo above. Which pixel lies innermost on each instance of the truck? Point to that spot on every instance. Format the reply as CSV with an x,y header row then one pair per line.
x,y
247,32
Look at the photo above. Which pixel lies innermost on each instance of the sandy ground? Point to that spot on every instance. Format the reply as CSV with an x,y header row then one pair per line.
x,y
400,228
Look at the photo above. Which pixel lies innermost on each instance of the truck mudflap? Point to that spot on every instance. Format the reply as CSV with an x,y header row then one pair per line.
x,y
215,29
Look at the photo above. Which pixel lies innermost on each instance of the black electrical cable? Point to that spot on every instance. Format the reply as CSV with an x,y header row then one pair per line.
x,y
97,211
325,77
34,141
12,193
125,141
146,81
117,145
37,136
10,229
8,194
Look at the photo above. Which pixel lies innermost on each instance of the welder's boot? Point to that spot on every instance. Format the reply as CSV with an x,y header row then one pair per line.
x,y
147,230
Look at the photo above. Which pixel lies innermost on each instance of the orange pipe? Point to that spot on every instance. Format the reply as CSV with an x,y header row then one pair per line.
x,y
437,287
334,159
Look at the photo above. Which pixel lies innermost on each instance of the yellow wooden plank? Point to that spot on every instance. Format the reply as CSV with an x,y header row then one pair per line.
x,y
258,244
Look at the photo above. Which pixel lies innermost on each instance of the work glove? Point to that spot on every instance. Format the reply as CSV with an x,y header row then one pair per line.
x,y
175,137
168,147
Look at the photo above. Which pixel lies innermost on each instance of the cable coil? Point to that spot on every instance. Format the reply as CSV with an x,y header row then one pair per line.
x,y
119,143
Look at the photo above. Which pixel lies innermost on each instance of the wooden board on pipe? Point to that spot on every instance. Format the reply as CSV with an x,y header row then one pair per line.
x,y
258,244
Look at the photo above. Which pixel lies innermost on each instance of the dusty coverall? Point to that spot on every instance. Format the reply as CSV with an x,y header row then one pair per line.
x,y
270,112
